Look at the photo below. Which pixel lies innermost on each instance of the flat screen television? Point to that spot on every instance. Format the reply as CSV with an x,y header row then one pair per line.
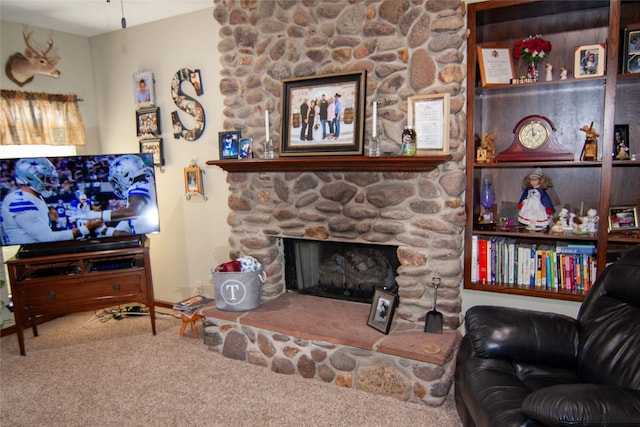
x,y
64,204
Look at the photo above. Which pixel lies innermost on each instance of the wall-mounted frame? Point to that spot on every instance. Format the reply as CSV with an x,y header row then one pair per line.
x,y
143,89
382,309
154,147
193,181
621,142
589,61
631,58
148,121
228,143
623,218
245,149
496,65
302,95
429,114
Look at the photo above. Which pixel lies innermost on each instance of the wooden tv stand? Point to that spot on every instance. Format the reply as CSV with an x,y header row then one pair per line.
x,y
70,283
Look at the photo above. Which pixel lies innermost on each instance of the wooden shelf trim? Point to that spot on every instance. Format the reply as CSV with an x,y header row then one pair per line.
x,y
558,294
333,164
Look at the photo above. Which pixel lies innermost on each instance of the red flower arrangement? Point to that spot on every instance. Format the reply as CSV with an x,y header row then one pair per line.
x,y
531,49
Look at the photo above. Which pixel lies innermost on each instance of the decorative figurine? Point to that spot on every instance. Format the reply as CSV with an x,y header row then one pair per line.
x,y
489,144
590,149
590,222
548,75
535,204
563,73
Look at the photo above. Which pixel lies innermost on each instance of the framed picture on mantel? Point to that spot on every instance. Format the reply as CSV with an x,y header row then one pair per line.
x,y
323,116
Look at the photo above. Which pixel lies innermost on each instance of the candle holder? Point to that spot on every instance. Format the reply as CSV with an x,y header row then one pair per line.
x,y
268,149
374,146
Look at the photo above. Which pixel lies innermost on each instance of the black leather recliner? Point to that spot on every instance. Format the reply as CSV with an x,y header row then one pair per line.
x,y
528,368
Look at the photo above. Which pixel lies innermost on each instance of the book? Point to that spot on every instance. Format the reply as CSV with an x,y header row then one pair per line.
x,y
575,248
192,303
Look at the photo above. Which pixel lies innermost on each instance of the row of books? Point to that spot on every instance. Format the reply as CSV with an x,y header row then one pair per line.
x,y
564,266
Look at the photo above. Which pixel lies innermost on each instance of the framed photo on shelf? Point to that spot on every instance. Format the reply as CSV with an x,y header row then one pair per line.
x,y
143,92
193,180
228,142
621,142
306,100
148,121
631,58
496,65
382,309
623,218
589,61
246,148
430,116
154,147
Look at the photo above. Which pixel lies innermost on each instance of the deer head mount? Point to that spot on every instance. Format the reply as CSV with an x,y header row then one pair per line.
x,y
22,68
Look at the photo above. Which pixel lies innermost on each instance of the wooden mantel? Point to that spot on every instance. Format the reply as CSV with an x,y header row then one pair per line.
x,y
328,164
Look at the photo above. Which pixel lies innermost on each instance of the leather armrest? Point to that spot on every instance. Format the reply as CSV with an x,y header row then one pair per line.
x,y
583,405
523,335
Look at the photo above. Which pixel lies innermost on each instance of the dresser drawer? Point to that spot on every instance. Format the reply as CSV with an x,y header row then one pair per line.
x,y
76,294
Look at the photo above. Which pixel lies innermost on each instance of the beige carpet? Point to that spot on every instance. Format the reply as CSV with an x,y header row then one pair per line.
x,y
85,372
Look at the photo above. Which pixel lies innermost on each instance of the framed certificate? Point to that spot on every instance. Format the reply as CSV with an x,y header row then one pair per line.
x,y
496,65
429,114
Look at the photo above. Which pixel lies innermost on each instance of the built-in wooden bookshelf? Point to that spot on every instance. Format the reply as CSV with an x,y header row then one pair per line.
x,y
607,100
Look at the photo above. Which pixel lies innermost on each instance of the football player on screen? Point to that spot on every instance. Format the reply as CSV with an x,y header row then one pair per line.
x,y
132,181
25,214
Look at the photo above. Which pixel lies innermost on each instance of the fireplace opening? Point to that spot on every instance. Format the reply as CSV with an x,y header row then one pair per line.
x,y
348,271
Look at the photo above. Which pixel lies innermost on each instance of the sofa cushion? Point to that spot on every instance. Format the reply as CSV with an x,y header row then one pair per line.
x,y
583,405
522,335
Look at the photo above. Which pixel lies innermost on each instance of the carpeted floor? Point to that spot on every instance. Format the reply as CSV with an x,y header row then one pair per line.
x,y
84,372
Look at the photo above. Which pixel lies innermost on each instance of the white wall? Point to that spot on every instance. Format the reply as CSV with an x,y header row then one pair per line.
x,y
75,72
193,234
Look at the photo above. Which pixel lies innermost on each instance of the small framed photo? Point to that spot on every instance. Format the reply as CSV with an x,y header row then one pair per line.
x,y
382,309
193,180
623,218
496,65
229,143
246,148
324,115
621,142
429,114
148,121
143,89
589,61
631,58
154,147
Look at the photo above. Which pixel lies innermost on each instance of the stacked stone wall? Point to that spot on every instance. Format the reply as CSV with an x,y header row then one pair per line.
x,y
407,47
343,366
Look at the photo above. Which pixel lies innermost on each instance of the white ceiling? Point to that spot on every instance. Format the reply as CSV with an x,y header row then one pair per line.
x,y
93,17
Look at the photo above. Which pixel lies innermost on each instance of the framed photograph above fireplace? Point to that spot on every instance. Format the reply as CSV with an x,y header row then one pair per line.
x,y
323,116
382,309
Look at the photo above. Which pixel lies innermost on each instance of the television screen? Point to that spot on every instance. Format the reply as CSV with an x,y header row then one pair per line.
x,y
77,198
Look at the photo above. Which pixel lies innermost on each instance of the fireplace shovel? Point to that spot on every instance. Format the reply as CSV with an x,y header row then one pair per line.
x,y
433,322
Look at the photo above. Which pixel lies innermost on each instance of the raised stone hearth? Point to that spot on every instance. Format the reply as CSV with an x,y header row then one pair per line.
x,y
329,340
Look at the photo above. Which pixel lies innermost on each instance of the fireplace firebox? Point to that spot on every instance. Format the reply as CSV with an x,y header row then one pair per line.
x,y
341,270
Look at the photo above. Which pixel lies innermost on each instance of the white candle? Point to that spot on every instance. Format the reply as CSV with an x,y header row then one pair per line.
x,y
375,119
266,125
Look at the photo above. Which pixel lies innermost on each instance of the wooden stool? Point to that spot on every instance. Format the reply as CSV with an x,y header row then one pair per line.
x,y
190,320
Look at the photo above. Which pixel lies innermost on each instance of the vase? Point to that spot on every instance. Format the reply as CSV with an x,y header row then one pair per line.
x,y
532,71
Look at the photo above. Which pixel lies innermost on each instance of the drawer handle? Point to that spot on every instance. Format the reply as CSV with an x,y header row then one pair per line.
x,y
116,286
51,295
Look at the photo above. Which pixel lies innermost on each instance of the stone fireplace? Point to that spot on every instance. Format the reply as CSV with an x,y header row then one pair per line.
x,y
420,213
407,47
339,270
